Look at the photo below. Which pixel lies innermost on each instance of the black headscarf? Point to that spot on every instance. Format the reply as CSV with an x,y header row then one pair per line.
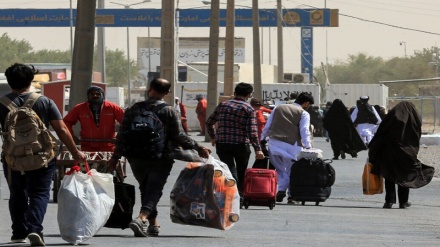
x,y
341,130
394,148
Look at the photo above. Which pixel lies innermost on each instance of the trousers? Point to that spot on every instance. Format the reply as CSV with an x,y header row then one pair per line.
x,y
236,156
151,176
390,192
29,196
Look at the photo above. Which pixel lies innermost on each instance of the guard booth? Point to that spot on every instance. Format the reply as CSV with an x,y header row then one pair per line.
x,y
59,92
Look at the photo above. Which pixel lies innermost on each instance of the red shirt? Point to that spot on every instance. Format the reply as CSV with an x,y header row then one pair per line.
x,y
259,114
110,113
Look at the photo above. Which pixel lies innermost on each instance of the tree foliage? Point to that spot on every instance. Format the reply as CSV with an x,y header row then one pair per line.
x,y
21,51
364,69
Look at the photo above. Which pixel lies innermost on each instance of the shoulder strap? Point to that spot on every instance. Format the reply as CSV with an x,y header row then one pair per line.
x,y
8,103
32,98
158,107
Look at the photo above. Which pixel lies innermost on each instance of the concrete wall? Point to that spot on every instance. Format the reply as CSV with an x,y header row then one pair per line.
x,y
349,93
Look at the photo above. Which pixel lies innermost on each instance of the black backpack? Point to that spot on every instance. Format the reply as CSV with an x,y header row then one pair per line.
x,y
145,137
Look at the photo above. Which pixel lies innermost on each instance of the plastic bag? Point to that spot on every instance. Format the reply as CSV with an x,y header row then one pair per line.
x,y
85,202
311,153
372,184
205,194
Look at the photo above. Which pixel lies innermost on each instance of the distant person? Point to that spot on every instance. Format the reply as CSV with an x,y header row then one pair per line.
x,y
30,192
324,112
344,137
236,129
292,97
288,130
366,119
260,112
181,108
97,117
202,105
152,172
393,153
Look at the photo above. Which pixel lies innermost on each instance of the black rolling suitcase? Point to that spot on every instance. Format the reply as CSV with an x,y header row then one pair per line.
x,y
311,180
122,212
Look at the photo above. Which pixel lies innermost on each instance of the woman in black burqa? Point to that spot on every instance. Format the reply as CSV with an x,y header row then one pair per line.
x,y
393,154
344,137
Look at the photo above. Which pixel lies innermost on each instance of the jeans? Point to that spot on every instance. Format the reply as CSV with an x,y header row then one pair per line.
x,y
29,196
151,176
236,156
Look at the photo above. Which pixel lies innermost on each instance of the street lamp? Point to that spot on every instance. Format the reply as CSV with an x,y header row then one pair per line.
x,y
127,6
404,46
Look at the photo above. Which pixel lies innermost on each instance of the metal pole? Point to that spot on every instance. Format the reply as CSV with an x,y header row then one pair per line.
x,y
258,92
149,55
71,32
101,47
270,47
129,65
229,49
280,42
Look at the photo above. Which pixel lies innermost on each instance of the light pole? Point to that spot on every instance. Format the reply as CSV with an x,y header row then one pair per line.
x,y
404,46
127,6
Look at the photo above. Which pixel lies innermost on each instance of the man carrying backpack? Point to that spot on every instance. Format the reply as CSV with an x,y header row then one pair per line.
x,y
29,184
146,129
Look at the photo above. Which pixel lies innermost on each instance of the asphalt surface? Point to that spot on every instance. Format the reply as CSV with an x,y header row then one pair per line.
x,y
347,218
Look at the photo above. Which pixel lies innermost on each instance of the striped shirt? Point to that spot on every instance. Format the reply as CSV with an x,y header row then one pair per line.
x,y
236,123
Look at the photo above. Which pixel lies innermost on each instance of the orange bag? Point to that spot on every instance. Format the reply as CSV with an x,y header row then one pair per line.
x,y
371,183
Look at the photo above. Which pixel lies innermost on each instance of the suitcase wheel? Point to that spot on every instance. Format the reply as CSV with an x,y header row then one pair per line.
x,y
303,203
246,204
271,205
316,203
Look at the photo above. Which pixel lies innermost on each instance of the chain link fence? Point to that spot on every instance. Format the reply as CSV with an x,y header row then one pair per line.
x,y
427,106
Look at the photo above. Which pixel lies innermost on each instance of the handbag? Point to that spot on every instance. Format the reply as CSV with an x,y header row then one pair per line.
x,y
85,202
371,183
177,152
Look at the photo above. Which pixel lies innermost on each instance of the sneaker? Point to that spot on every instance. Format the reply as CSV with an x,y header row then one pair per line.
x,y
280,196
18,240
153,231
405,205
138,227
36,239
291,201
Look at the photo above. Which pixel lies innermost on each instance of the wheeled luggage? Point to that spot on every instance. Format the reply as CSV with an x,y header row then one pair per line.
x,y
311,180
122,212
260,187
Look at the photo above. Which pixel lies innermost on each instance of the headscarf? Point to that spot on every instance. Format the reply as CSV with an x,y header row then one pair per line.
x,y
394,148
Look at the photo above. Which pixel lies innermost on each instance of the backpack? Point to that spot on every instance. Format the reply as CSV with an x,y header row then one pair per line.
x,y
145,136
27,144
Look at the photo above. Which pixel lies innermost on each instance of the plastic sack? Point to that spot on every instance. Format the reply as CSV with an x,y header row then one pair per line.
x,y
85,202
205,194
371,183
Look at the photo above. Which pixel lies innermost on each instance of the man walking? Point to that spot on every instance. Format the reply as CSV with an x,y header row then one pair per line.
x,y
152,173
288,129
30,192
236,129
202,105
365,119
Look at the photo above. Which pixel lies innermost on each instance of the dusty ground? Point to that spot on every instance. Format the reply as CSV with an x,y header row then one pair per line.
x,y
429,155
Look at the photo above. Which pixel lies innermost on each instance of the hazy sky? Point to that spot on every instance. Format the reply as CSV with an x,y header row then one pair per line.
x,y
375,27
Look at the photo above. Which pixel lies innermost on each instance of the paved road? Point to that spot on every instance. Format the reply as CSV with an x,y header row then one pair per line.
x,y
347,218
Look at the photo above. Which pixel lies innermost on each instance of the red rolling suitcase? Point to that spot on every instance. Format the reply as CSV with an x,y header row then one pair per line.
x,y
260,187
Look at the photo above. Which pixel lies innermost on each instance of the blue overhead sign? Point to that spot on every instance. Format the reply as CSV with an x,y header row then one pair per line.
x,y
152,17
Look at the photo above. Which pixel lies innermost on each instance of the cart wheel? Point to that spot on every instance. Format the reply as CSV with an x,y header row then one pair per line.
x,y
316,203
271,205
56,185
303,203
246,204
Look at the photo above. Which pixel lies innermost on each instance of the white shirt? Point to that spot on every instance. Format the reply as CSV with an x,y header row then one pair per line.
x,y
285,149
